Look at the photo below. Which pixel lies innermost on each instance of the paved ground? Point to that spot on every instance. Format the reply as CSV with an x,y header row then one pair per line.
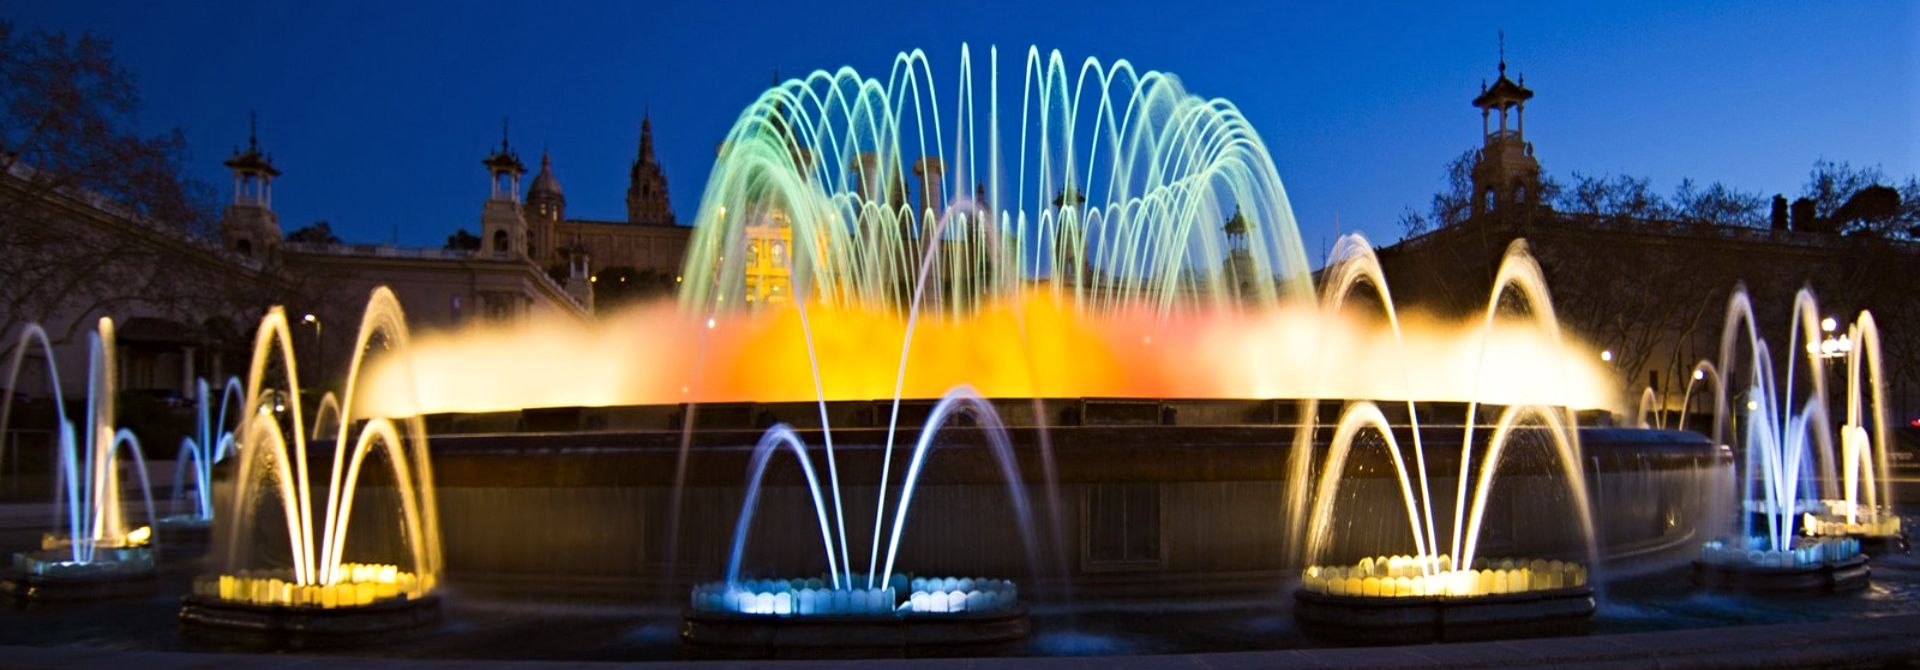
x,y
1886,642
1650,620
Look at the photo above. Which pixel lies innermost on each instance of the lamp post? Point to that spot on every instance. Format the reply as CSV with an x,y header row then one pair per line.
x,y
1831,346
319,345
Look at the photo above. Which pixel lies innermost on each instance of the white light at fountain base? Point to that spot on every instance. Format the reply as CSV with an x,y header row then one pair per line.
x,y
1427,576
817,597
1807,554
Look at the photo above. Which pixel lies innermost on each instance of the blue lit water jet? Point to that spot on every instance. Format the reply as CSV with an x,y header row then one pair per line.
x,y
88,485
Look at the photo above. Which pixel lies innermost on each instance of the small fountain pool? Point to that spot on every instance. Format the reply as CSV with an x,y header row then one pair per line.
x,y
94,552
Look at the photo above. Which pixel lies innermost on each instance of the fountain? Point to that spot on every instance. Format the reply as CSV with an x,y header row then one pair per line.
x,y
1435,593
810,176
880,609
92,552
1865,509
1775,445
310,590
210,443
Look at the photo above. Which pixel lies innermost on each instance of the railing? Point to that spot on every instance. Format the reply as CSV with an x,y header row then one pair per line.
x,y
376,250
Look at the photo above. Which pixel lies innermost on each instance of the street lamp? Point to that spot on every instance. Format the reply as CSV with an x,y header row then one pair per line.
x,y
1831,346
319,345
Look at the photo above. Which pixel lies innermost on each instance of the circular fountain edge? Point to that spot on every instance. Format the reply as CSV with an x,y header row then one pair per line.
x,y
1851,574
1404,620
758,635
41,588
303,623
107,579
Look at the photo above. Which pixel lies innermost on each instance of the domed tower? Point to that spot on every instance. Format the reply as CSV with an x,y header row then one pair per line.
x,y
545,208
503,230
248,226
1505,174
647,183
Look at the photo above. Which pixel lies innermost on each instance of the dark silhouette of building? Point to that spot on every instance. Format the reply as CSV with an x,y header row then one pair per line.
x,y
1653,292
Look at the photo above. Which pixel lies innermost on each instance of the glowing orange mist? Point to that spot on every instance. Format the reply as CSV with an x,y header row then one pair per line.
x,y
656,354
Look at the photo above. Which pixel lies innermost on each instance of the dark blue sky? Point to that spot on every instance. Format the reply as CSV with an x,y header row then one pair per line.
x,y
379,115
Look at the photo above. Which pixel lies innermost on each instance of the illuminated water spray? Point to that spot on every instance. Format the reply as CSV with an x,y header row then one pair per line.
x,y
1108,184
91,533
273,466
1441,565
1790,481
210,443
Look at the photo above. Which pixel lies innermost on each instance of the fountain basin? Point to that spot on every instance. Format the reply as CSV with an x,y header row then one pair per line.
x,y
811,618
819,597
1417,599
366,600
304,622
53,575
1416,619
712,633
1811,567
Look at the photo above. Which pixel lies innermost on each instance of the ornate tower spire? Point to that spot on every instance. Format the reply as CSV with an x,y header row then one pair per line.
x,y
249,225
647,183
503,230
1504,171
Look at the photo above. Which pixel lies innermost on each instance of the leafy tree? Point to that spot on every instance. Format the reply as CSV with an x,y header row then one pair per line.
x,y
621,286
1862,201
1830,184
320,232
461,240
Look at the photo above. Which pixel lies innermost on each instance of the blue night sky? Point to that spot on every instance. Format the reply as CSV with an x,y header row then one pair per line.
x,y
379,115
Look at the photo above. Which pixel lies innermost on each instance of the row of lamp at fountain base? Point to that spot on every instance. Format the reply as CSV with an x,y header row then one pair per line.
x,y
819,597
1417,576
1821,552
361,585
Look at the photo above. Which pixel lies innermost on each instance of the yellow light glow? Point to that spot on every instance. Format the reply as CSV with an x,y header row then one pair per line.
x,y
1432,576
360,585
139,536
1019,348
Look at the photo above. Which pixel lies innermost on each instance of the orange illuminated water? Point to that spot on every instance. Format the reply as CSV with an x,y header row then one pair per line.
x,y
1024,347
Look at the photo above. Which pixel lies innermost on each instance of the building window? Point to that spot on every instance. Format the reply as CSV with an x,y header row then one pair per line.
x,y
1120,527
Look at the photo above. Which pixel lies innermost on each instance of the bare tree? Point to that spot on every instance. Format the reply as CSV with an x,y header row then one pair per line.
x,y
1621,199
94,217
1718,205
